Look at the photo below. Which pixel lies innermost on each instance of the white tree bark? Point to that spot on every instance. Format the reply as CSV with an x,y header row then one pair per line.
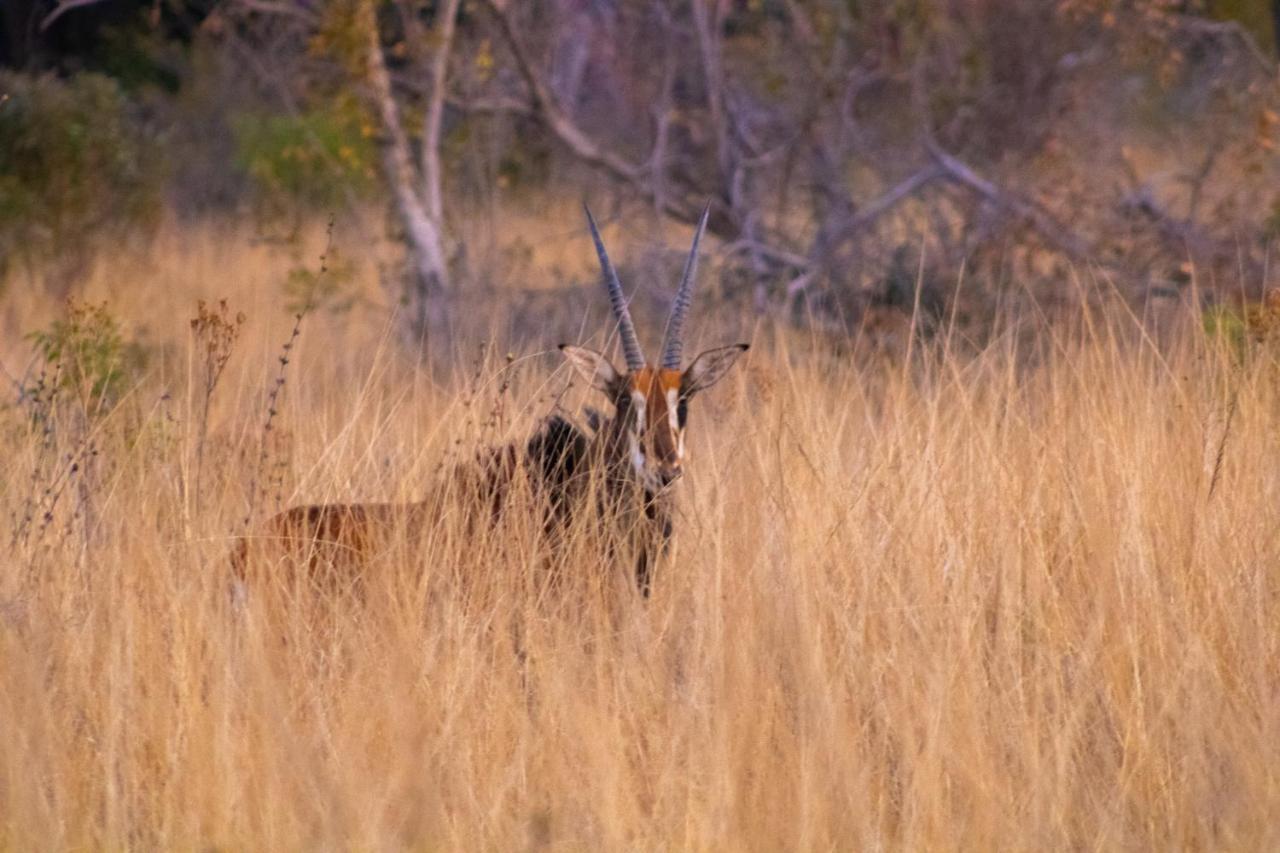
x,y
431,124
418,198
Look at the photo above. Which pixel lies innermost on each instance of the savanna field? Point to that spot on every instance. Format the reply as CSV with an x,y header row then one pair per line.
x,y
944,596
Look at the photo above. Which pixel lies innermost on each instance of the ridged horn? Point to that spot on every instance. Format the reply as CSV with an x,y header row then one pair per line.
x,y
627,330
673,346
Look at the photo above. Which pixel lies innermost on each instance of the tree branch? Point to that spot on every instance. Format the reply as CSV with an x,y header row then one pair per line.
x,y
708,18
780,257
663,107
1228,29
280,8
873,210
557,120
1039,218
684,205
490,106
63,8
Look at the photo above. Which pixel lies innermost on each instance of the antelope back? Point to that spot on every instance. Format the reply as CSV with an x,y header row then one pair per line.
x,y
329,547
322,548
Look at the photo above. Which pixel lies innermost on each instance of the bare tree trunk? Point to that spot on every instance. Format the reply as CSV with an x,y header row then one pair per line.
x,y
422,219
708,18
431,124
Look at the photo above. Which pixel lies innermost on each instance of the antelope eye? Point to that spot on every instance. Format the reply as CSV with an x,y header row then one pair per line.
x,y
682,411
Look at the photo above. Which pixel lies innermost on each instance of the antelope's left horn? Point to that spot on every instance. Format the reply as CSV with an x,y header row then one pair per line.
x,y
673,346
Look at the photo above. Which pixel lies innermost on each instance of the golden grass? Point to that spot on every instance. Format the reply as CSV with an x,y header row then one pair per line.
x,y
966,605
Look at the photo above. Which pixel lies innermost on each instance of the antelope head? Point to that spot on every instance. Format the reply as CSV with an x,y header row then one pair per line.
x,y
651,402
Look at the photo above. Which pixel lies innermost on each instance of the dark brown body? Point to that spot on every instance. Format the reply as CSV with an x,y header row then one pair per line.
x,y
562,469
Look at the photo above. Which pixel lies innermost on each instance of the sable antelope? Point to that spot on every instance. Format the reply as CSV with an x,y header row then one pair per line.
x,y
623,469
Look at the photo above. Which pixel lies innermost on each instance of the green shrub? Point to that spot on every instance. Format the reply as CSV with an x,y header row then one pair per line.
x,y
75,166
322,158
1253,328
89,355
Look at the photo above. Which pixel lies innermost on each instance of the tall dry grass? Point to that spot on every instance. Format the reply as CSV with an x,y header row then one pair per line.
x,y
960,603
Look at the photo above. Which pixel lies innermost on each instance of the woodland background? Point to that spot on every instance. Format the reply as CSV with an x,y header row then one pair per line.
x,y
857,156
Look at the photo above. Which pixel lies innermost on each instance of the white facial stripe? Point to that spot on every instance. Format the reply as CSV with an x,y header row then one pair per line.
x,y
637,455
673,416
639,403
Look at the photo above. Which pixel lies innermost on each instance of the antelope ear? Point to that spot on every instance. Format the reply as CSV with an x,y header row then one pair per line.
x,y
709,368
592,366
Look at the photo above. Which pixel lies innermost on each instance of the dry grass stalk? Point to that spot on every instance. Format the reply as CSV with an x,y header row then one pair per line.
x,y
978,609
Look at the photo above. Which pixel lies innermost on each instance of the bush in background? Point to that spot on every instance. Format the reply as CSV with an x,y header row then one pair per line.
x,y
76,165
91,357
323,158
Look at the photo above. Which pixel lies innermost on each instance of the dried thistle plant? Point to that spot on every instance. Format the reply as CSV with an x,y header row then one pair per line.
x,y
214,332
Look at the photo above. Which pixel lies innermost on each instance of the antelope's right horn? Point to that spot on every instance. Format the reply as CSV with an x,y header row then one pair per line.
x,y
627,329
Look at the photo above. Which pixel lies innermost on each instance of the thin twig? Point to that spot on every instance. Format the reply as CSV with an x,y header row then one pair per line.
x,y
1222,443
273,397
61,9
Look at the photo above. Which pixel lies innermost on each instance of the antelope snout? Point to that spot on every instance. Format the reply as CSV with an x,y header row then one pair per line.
x,y
670,473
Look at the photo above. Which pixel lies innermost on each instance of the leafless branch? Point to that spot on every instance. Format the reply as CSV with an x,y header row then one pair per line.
x,y
663,108
778,256
873,210
1230,30
685,207
835,233
489,106
281,8
555,117
1040,219
1184,233
798,284
735,224
708,18
63,8
1195,180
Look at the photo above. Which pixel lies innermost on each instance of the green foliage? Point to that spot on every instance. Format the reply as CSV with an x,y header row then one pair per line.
x,y
342,35
1253,328
1225,324
136,55
91,356
325,157
75,165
